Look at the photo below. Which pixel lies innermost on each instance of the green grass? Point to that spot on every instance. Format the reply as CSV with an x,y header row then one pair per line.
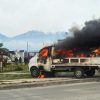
x,y
21,68
14,76
15,68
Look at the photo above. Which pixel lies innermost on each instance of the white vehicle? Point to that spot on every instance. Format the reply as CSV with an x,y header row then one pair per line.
x,y
46,61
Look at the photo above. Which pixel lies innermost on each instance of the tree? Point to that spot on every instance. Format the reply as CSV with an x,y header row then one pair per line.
x,y
5,51
1,44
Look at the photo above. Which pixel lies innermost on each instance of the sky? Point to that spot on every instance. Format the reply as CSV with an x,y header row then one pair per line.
x,y
20,16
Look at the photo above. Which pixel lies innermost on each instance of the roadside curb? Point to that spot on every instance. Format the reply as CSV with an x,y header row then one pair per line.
x,y
41,83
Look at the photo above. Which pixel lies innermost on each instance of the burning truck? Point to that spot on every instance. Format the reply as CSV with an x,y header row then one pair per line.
x,y
79,53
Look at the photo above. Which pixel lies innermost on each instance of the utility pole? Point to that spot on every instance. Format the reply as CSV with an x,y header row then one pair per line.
x,y
27,49
27,46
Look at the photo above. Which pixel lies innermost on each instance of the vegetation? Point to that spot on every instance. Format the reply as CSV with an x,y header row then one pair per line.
x,y
1,44
14,76
13,71
4,51
22,68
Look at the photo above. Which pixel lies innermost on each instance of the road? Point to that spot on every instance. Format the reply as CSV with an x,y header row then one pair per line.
x,y
76,91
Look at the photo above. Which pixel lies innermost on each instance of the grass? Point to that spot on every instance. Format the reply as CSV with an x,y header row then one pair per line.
x,y
8,70
15,68
14,76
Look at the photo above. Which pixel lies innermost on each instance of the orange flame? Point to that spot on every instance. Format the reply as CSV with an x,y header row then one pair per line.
x,y
44,52
97,51
67,53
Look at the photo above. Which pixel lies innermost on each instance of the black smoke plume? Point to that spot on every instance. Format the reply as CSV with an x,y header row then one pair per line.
x,y
87,37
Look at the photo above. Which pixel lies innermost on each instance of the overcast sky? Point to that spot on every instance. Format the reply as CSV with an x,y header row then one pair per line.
x,y
19,16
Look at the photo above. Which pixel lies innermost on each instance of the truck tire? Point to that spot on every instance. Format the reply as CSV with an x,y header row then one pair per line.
x,y
90,73
79,73
35,72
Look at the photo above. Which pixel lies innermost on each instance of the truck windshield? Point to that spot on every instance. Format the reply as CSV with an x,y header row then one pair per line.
x,y
43,52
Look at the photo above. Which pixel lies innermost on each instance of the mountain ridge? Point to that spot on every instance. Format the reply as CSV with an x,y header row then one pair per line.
x,y
3,36
36,39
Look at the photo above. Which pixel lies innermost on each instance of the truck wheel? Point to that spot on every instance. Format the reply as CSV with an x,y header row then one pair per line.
x,y
35,72
90,72
79,73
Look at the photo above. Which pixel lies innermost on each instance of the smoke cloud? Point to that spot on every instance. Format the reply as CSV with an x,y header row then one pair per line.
x,y
87,37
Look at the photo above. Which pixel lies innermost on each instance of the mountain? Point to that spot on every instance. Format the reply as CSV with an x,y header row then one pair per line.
x,y
3,37
29,35
33,39
37,35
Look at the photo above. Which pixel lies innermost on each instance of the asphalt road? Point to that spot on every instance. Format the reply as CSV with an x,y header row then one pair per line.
x,y
76,91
